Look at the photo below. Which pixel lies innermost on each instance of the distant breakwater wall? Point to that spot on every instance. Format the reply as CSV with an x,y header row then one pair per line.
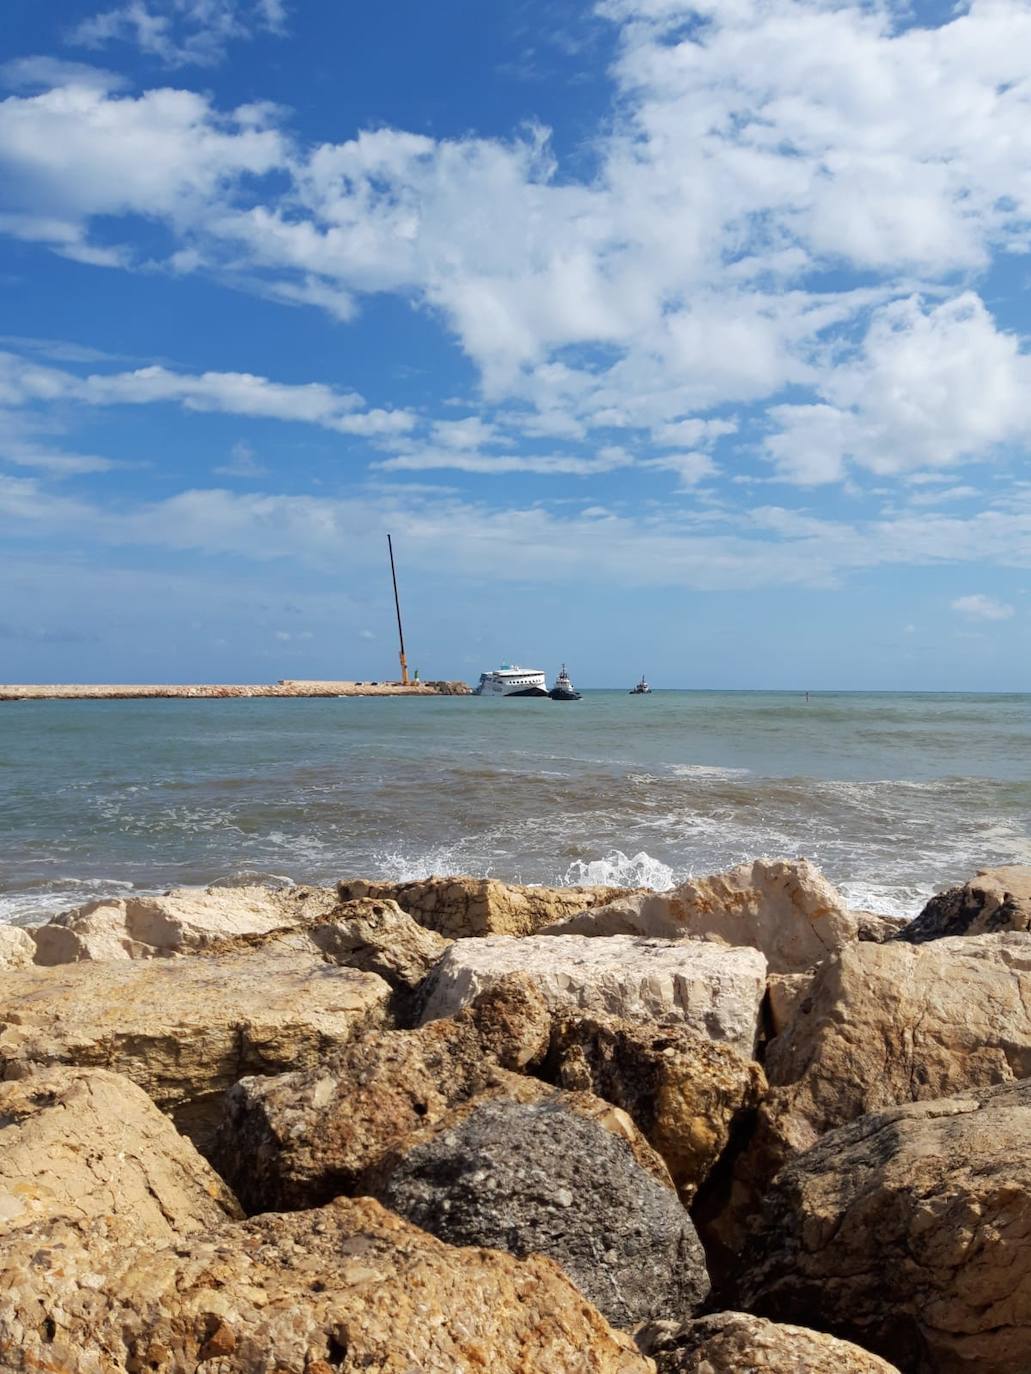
x,y
286,688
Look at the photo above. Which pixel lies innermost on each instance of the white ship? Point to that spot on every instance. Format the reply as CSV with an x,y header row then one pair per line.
x,y
512,681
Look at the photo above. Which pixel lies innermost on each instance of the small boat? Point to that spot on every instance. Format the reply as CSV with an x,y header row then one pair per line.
x,y
642,689
563,689
512,681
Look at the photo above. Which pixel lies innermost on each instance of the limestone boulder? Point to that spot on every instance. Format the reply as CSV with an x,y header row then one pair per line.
x,y
909,1232
185,1030
304,1137
785,993
735,1342
542,1178
380,938
708,988
17,947
345,1288
892,1023
80,1144
182,921
876,927
459,907
998,899
685,1092
785,908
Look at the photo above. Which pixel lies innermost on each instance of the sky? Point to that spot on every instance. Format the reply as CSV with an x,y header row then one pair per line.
x,y
684,339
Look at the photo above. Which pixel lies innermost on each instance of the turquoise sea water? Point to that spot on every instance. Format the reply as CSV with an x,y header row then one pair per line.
x,y
892,795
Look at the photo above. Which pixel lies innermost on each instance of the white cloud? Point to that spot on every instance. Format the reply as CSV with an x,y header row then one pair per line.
x,y
496,465
42,72
690,468
181,32
770,188
74,153
691,433
979,607
233,393
928,388
664,545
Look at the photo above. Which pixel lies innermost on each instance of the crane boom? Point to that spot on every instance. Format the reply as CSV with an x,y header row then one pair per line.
x,y
397,607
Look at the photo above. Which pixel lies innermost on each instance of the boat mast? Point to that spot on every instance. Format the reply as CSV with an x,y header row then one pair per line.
x,y
397,607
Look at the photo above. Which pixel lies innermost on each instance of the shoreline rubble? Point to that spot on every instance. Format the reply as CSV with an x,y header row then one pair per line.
x,y
598,1105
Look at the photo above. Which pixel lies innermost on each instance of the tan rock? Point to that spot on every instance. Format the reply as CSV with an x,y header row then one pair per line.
x,y
347,1287
84,1143
909,1231
710,988
736,1342
684,1091
17,947
786,908
185,1029
883,1024
876,927
379,937
998,899
458,907
182,921
785,993
305,1137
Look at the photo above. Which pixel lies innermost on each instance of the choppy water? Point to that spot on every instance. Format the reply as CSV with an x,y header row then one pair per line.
x,y
893,795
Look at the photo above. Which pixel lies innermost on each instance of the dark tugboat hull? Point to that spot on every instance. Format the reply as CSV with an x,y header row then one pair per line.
x,y
557,694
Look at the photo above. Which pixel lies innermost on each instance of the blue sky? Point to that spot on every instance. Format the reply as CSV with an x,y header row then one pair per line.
x,y
685,339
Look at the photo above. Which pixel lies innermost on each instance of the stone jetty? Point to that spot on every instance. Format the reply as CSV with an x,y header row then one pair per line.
x,y
457,1124
286,687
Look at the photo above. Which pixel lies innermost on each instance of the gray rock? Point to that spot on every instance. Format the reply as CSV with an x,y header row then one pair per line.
x,y
539,1178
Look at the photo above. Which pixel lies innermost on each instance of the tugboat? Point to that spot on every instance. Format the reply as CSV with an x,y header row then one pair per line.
x,y
642,689
563,689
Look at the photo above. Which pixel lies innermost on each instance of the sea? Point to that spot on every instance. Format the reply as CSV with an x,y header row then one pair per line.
x,y
893,795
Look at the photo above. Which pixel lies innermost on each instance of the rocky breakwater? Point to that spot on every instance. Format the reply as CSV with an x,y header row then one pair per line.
x,y
286,687
453,1125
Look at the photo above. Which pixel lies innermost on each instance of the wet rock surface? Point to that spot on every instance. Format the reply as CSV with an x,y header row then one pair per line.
x,y
998,899
541,1178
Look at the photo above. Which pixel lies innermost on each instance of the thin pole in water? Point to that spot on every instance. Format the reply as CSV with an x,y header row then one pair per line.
x,y
397,607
